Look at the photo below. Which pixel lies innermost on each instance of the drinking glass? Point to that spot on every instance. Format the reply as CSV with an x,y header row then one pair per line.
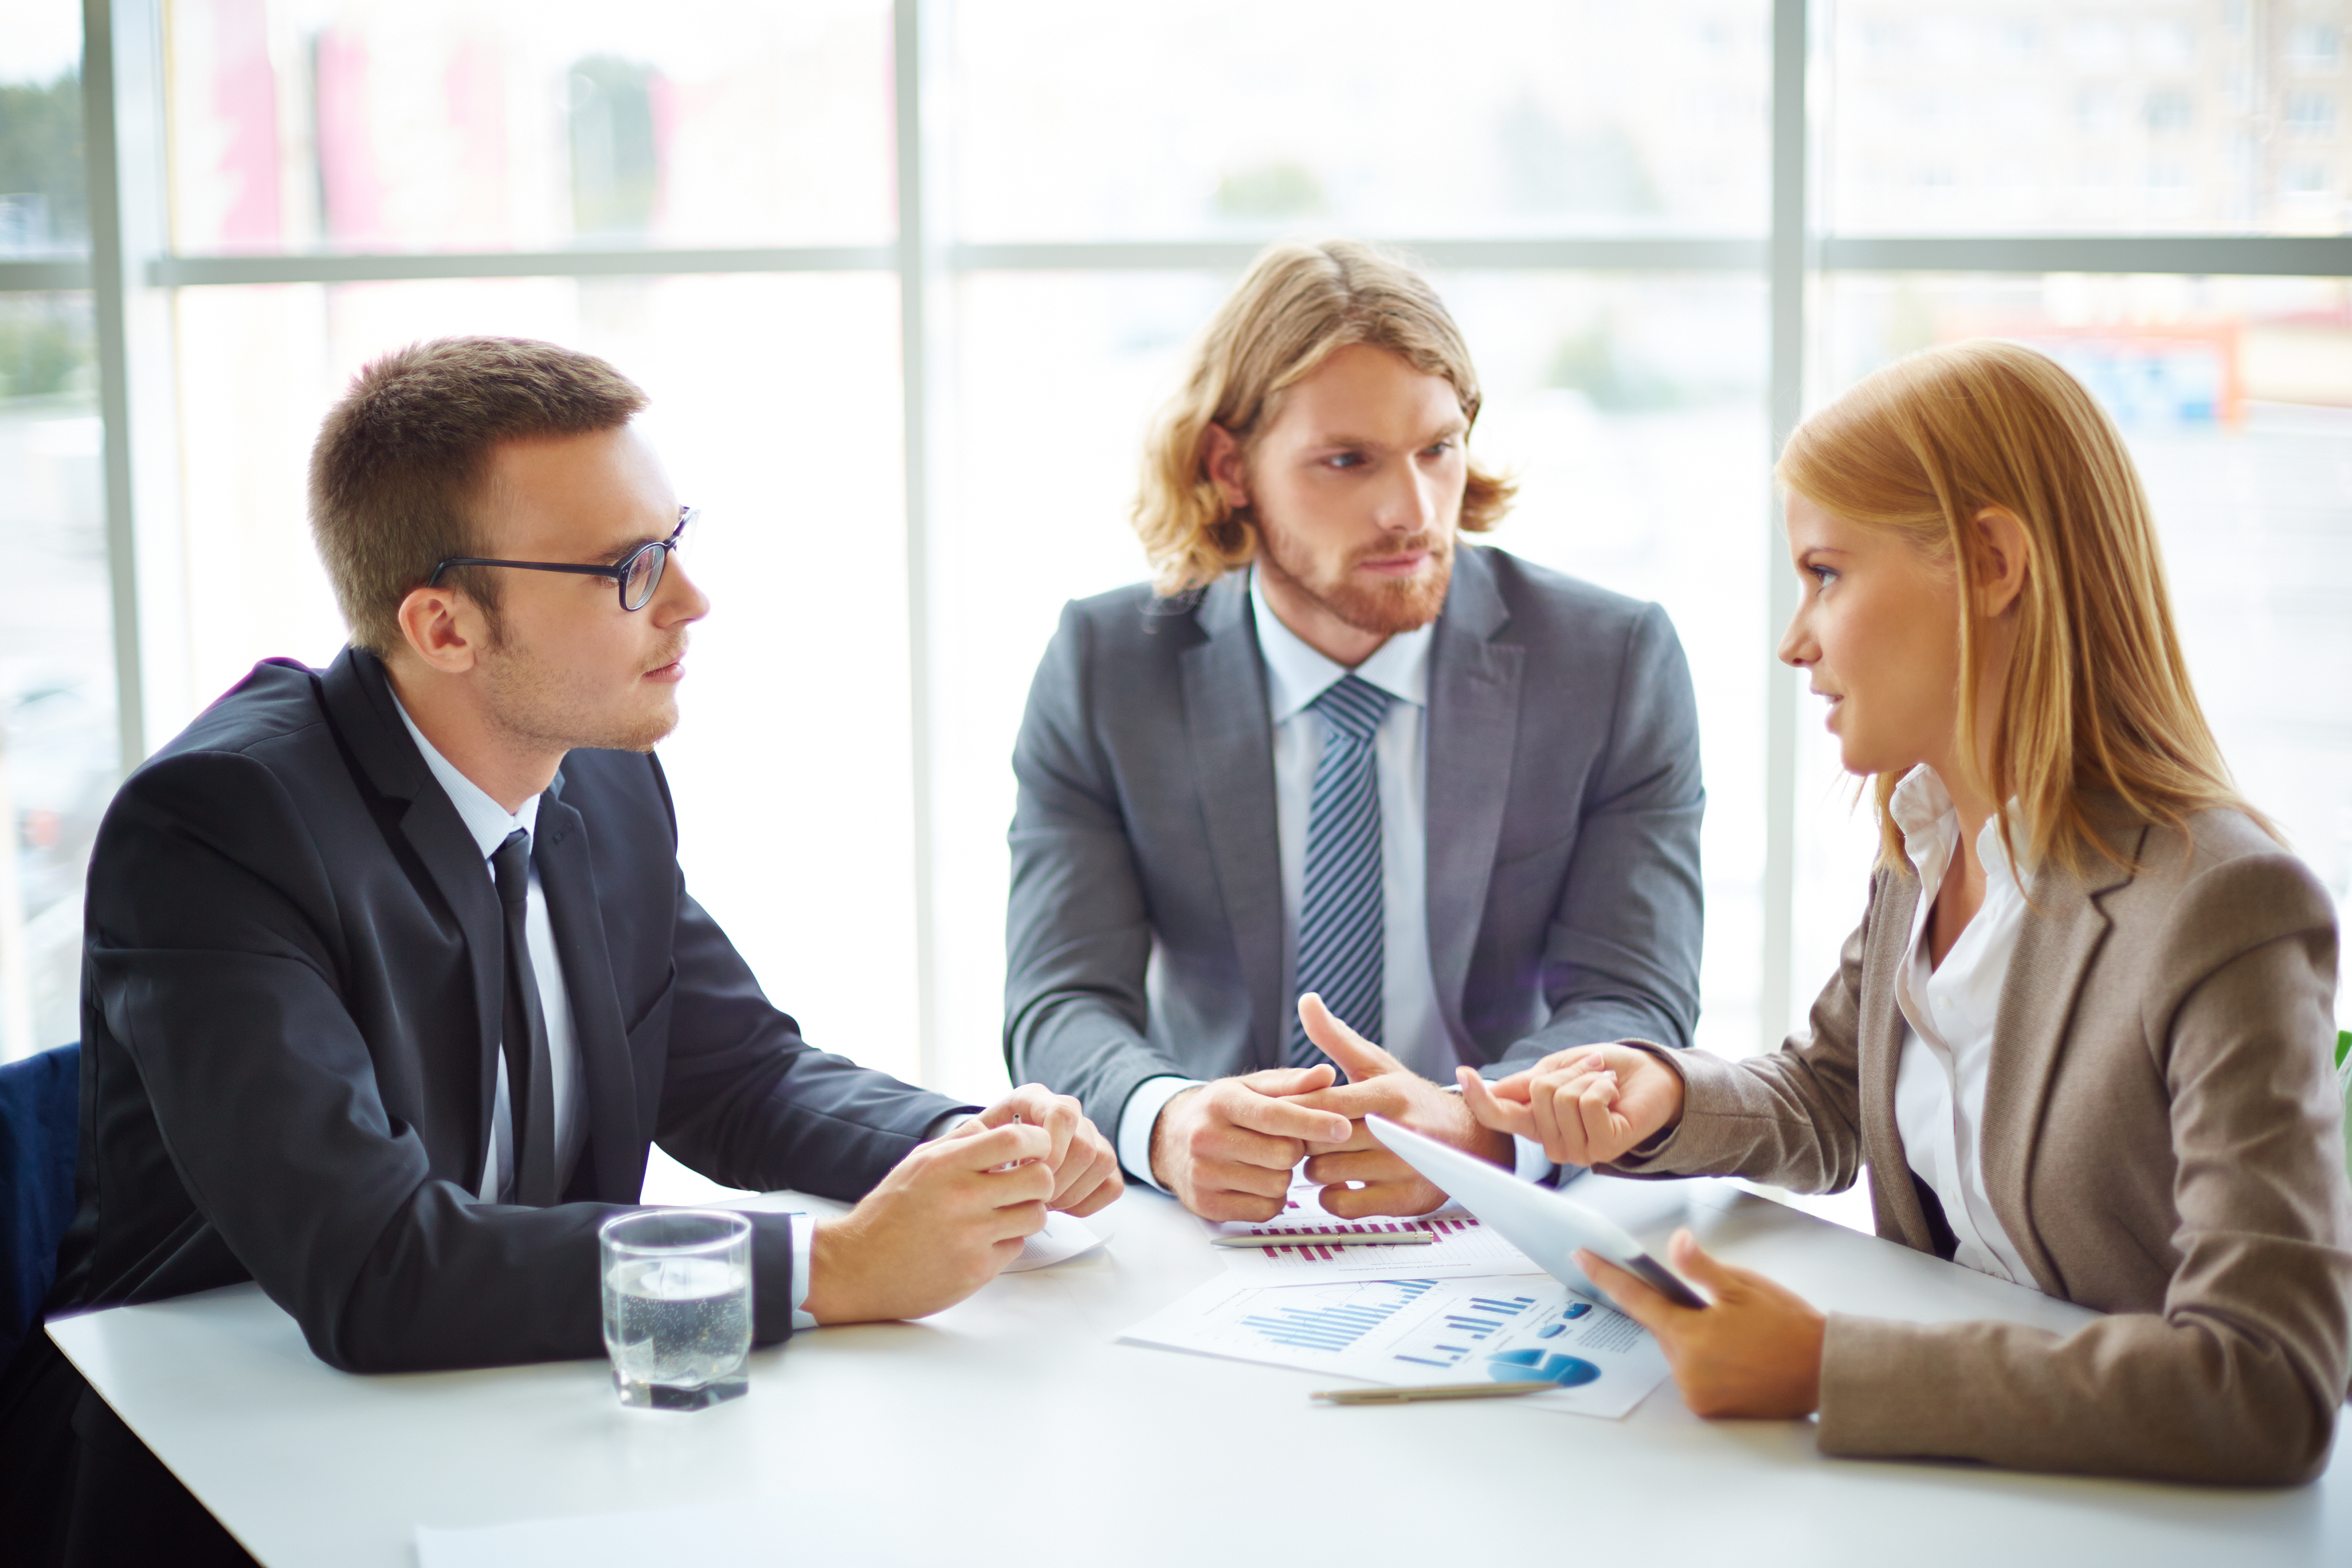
x,y
677,1306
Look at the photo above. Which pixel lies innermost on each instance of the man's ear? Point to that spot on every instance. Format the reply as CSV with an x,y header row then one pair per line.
x,y
2003,553
1227,470
442,627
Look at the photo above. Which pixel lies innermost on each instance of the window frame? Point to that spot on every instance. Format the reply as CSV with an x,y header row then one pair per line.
x,y
133,276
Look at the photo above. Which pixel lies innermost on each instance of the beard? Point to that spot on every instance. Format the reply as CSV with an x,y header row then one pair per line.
x,y
533,700
1381,607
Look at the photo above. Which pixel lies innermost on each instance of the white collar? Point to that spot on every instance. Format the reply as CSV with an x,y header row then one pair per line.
x,y
1295,674
1922,807
488,822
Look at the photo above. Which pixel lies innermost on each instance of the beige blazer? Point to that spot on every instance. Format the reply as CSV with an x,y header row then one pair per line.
x,y
2162,1141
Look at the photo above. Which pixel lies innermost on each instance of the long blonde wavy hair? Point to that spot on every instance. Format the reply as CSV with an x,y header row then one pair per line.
x,y
2099,697
1296,305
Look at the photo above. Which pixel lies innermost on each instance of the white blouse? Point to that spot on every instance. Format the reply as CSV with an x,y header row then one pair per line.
x,y
1949,1014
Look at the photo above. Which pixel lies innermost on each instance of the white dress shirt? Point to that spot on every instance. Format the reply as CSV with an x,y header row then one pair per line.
x,y
1296,675
1949,1014
489,823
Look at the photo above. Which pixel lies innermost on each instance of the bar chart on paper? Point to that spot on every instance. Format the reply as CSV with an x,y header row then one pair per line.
x,y
1326,1318
1465,1249
1501,1328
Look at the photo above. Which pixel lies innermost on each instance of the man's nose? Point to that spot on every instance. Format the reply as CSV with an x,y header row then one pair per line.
x,y
677,601
1411,504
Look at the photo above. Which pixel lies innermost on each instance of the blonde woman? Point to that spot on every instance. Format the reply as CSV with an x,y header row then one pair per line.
x,y
2080,1040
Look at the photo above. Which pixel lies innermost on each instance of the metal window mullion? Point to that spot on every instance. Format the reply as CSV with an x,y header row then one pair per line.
x,y
913,263
2204,256
1786,285
108,281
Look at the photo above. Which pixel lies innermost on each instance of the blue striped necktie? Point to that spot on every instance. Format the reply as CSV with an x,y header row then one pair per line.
x,y
1343,917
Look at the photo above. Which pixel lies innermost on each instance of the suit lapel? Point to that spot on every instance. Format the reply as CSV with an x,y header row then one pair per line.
x,y
1894,903
2064,928
1230,728
359,698
1470,737
560,846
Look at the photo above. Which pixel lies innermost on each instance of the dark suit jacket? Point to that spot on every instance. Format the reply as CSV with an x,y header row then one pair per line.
x,y
1145,930
291,1004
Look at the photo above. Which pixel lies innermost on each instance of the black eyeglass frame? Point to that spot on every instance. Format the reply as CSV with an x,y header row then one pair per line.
x,y
618,571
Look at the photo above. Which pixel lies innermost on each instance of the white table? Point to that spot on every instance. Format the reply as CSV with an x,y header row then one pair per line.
x,y
1013,1429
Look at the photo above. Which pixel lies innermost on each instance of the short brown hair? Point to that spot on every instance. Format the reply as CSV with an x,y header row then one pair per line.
x,y
1298,304
400,460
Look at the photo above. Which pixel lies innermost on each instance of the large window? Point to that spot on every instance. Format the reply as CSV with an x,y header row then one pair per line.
x,y
908,279
58,744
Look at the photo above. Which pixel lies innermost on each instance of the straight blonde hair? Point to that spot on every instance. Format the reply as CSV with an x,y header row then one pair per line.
x,y
1298,304
2097,698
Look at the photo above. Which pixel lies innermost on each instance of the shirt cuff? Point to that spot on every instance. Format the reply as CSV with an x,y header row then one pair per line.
x,y
947,1124
1534,1164
803,1232
1138,1116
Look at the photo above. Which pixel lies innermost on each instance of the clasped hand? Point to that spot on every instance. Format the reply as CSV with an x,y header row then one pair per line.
x,y
954,1212
1586,1106
1226,1149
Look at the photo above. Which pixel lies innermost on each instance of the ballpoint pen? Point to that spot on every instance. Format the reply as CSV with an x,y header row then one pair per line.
x,y
1430,1391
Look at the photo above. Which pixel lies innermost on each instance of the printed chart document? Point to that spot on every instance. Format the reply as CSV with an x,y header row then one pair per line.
x,y
1502,1328
1465,1249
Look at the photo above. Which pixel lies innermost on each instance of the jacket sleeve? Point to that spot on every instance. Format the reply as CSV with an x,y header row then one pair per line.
x,y
216,962
2240,1374
1791,1118
749,1102
1622,956
1077,932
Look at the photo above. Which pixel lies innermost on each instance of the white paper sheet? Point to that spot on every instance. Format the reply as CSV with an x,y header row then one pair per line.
x,y
1464,1249
1065,1236
1414,1332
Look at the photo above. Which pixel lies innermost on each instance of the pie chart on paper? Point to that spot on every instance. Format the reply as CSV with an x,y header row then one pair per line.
x,y
1541,1366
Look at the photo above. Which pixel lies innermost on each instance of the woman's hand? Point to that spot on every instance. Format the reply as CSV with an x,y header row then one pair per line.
x,y
1586,1105
1755,1352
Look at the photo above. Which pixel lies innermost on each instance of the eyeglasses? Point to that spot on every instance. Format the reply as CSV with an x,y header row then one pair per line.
x,y
636,574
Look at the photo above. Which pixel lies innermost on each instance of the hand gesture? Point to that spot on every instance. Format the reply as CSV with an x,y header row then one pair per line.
x,y
937,1228
1379,1082
1085,1166
1587,1105
1226,1149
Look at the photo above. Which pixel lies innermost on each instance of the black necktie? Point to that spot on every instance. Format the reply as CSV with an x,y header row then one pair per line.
x,y
530,1088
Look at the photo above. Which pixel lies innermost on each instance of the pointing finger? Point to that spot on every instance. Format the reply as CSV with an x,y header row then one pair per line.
x,y
1287,1119
1359,1057
1287,1081
1519,1120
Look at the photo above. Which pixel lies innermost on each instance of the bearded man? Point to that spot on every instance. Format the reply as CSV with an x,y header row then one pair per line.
x,y
1336,751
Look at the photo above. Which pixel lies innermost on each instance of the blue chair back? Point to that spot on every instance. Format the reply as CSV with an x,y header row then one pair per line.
x,y
40,1124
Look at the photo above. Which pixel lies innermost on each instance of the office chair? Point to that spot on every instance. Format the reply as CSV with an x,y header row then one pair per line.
x,y
40,1114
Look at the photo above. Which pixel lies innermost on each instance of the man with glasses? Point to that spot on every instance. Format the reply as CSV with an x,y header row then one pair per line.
x,y
390,976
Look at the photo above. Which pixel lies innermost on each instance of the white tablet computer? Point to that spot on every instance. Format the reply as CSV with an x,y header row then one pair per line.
x,y
1538,1221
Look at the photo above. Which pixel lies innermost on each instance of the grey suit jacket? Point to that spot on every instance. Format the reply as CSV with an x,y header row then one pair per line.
x,y
1145,932
2162,1141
